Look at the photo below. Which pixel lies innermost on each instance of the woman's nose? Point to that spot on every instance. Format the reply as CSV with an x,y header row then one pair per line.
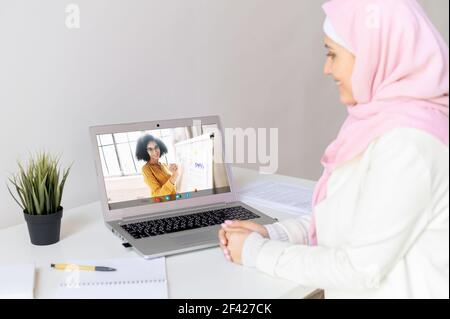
x,y
327,68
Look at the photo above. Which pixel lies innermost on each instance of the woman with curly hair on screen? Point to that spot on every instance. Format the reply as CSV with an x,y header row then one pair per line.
x,y
160,178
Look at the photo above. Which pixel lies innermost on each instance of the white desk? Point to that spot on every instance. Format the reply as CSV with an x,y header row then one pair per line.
x,y
201,274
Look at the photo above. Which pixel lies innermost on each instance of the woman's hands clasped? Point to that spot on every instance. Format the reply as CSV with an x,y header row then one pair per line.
x,y
233,234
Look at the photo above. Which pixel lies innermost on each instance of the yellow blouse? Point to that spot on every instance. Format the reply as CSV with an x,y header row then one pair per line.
x,y
157,177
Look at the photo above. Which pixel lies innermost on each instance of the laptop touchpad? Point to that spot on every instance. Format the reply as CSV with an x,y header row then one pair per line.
x,y
200,237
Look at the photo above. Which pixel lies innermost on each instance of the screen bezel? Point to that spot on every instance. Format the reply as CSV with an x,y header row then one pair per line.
x,y
159,208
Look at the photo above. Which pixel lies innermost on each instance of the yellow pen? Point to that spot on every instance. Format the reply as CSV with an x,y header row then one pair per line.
x,y
80,267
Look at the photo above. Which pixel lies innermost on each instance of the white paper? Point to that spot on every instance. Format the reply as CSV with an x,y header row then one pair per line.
x,y
17,281
290,198
195,164
135,278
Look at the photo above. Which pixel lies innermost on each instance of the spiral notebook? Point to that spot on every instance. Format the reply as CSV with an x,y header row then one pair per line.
x,y
135,278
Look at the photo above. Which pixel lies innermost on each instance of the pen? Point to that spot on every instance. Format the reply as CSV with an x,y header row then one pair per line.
x,y
80,267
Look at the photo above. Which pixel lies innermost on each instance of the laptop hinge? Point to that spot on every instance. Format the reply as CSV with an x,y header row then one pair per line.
x,y
191,210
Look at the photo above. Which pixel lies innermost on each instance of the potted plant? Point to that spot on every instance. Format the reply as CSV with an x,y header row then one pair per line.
x,y
39,190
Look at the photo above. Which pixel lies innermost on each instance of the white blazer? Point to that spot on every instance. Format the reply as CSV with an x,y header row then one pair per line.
x,y
383,230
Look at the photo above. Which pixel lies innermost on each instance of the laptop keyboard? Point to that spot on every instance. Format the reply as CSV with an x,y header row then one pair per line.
x,y
186,222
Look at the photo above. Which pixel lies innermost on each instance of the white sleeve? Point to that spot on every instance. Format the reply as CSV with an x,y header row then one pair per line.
x,y
294,230
276,232
389,217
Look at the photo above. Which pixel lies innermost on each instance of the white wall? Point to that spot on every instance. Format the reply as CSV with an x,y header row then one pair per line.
x,y
256,63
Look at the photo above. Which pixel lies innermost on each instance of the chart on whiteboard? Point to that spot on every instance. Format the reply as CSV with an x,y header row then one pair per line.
x,y
195,162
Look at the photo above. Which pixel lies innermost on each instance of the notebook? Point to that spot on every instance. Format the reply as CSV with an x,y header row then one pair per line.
x,y
17,281
135,278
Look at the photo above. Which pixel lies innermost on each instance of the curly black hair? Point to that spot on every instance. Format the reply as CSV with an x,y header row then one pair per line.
x,y
141,147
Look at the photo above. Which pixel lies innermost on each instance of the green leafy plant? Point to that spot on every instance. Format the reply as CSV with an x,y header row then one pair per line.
x,y
40,185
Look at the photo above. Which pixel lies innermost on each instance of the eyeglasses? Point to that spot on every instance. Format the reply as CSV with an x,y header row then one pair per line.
x,y
153,149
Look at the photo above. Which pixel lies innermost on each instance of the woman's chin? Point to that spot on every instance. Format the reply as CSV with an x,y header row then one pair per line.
x,y
348,100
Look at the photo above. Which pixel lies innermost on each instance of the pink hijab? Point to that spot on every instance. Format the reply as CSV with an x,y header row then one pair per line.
x,y
400,78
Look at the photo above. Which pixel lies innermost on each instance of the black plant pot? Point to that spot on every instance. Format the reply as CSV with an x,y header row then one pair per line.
x,y
44,229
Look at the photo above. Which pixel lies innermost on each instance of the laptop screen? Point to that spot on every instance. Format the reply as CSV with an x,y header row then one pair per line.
x,y
156,166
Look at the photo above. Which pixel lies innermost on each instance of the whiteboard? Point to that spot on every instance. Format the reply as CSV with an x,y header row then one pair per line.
x,y
194,158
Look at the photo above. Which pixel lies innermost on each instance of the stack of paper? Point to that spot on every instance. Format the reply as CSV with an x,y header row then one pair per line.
x,y
285,197
17,281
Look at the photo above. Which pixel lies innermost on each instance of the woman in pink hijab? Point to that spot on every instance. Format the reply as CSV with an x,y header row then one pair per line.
x,y
380,221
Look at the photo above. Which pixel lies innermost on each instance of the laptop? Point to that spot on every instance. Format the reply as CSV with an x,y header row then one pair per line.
x,y
164,185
